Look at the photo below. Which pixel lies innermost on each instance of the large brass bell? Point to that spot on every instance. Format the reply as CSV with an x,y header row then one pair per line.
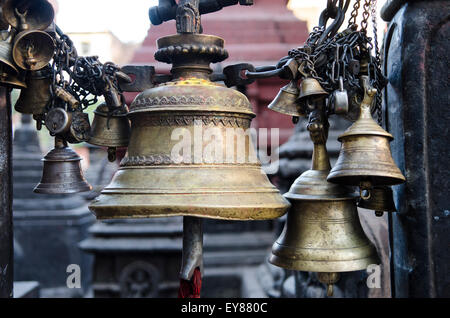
x,y
35,98
286,101
110,130
322,233
381,200
62,172
166,172
311,87
365,158
33,49
38,14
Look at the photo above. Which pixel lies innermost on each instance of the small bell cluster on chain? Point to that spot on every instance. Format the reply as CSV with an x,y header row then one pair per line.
x,y
338,75
57,86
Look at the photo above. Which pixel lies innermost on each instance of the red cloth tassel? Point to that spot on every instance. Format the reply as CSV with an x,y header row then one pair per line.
x,y
192,288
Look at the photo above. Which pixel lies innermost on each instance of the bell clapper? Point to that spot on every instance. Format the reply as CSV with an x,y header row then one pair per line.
x,y
112,154
328,279
365,188
192,257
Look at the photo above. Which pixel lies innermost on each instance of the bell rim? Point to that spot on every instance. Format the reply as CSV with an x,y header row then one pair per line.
x,y
49,188
325,265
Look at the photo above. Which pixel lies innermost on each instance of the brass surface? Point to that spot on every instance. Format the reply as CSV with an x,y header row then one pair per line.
x,y
322,232
153,183
7,66
33,50
286,101
109,131
34,99
365,154
62,172
311,87
381,199
28,14
14,81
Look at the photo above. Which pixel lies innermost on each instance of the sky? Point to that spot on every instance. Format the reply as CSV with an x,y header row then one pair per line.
x,y
128,19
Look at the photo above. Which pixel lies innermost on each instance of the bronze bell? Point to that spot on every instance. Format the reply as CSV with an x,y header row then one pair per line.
x,y
365,158
311,87
33,49
322,233
110,130
381,200
165,172
62,172
286,101
13,80
28,14
7,66
35,98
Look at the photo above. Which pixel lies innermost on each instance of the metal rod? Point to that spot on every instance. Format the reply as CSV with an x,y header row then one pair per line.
x,y
6,223
192,257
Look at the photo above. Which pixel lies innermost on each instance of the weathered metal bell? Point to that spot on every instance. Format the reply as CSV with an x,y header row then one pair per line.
x,y
310,87
381,200
322,233
110,130
167,170
33,49
62,172
36,96
365,158
7,66
286,101
28,14
13,80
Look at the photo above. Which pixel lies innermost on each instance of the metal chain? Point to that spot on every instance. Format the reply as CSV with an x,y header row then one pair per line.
x,y
378,86
354,14
365,15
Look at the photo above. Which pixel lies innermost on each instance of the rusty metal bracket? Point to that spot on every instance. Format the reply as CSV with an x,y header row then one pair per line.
x,y
142,78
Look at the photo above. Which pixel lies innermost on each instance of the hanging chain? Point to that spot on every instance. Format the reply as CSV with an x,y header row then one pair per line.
x,y
354,14
365,15
378,100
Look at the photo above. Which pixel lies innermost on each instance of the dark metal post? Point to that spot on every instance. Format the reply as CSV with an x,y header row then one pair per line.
x,y
416,57
6,228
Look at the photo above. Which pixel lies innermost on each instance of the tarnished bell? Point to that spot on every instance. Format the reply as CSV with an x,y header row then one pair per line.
x,y
365,156
35,98
7,66
13,80
62,172
322,232
33,50
110,131
286,101
381,200
311,87
28,14
167,170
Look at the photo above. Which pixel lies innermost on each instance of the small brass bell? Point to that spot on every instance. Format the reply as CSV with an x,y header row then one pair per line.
x,y
33,49
381,199
110,130
7,66
322,233
28,14
35,98
311,87
365,158
13,80
62,172
286,101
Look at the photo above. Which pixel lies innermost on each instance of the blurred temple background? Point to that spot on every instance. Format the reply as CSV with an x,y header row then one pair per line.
x,y
141,258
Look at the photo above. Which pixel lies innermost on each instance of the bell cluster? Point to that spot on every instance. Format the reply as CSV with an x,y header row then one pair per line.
x,y
334,73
